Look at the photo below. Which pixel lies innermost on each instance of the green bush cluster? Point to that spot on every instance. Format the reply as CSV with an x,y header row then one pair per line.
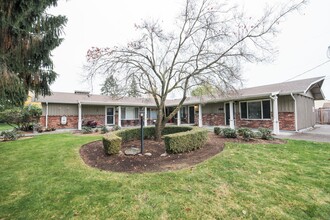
x,y
265,133
21,118
104,129
177,138
246,133
229,133
111,143
9,135
185,141
86,130
217,130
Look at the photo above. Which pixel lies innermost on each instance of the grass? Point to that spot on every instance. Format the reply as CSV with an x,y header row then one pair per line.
x,y
4,127
44,177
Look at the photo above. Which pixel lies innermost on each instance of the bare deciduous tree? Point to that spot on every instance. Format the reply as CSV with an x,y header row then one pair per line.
x,y
207,46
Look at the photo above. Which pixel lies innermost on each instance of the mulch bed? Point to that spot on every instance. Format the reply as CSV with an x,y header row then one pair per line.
x,y
94,155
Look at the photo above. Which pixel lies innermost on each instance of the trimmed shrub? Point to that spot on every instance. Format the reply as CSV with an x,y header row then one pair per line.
x,y
135,133
185,141
111,143
229,133
176,129
177,139
9,135
86,130
240,131
217,130
265,133
246,133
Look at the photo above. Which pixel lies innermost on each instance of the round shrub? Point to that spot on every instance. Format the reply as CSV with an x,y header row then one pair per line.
x,y
9,135
229,133
217,130
265,133
246,133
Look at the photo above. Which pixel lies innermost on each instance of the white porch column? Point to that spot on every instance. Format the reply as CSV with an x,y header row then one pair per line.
x,y
276,126
200,118
231,115
46,115
145,116
178,116
79,116
119,116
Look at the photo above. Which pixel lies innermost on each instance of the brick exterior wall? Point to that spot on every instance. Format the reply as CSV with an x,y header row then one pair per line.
x,y
266,123
287,121
100,119
216,119
55,121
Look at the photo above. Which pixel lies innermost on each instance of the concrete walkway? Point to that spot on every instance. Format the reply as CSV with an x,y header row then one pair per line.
x,y
320,133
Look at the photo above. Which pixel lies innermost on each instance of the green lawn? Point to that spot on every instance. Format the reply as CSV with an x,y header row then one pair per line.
x,y
4,127
44,178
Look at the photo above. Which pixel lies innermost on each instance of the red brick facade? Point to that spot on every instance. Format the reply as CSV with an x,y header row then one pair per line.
x,y
55,122
212,119
100,119
72,121
286,120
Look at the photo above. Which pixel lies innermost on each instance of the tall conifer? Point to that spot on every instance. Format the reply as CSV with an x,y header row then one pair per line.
x,y
28,34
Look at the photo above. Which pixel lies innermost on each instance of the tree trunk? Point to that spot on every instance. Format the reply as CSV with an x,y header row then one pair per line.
x,y
160,124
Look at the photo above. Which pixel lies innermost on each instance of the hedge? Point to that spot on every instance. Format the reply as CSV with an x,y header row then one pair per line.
x,y
185,141
177,138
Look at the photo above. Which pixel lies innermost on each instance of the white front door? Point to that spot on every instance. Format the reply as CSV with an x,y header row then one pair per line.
x,y
110,116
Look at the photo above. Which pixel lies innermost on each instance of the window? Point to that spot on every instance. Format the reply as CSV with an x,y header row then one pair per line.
x,y
255,109
129,113
151,113
136,112
123,113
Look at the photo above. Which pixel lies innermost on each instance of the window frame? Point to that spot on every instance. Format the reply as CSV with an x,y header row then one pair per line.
x,y
262,109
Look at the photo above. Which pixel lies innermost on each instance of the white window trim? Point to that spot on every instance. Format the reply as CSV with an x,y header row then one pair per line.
x,y
234,111
133,113
106,115
262,110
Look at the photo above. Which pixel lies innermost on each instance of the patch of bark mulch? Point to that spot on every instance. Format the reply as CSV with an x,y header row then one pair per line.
x,y
94,155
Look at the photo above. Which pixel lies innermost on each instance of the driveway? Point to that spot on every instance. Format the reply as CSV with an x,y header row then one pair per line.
x,y
320,133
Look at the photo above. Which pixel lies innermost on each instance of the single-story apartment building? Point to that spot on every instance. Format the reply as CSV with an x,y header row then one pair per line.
x,y
280,106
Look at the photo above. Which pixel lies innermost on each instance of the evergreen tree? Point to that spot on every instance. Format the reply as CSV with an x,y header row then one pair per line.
x,y
110,87
133,90
27,36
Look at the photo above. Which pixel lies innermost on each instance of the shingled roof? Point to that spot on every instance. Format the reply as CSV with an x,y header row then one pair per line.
x,y
286,88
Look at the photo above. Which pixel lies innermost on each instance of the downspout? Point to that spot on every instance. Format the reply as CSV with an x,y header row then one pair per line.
x,y
46,115
295,112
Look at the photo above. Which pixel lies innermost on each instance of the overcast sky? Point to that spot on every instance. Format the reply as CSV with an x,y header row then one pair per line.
x,y
302,43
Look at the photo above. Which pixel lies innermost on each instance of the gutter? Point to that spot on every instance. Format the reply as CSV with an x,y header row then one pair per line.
x,y
295,112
